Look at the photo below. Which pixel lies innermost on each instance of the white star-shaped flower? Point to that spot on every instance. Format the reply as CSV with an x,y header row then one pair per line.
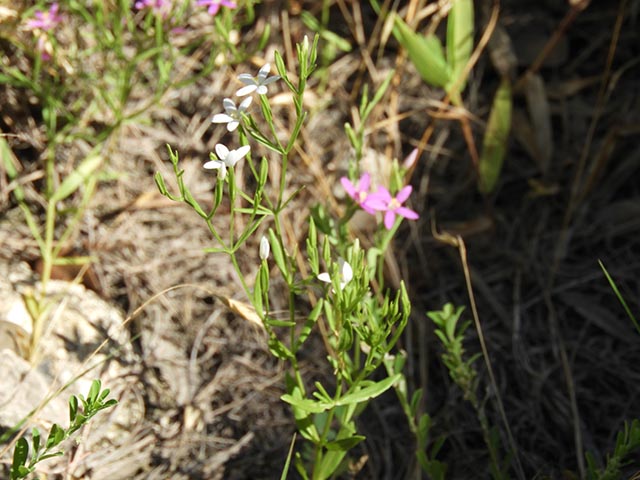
x,y
346,274
226,159
256,84
232,115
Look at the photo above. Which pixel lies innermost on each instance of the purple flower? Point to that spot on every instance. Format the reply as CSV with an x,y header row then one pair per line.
x,y
45,21
158,6
360,192
383,201
214,5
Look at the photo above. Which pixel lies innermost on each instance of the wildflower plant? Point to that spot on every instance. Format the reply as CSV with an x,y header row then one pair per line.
x,y
81,411
359,325
92,69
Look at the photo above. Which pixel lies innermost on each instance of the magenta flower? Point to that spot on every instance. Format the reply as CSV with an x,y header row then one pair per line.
x,y
383,201
360,192
214,5
45,21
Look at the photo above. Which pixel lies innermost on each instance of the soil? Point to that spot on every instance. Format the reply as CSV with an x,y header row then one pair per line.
x,y
564,354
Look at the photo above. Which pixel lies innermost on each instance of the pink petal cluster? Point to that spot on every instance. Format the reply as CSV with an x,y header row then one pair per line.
x,y
380,201
45,21
214,5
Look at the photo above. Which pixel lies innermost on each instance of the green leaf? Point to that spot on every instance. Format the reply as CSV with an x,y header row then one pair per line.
x,y
20,454
369,392
73,408
77,177
35,440
459,42
495,138
345,444
278,256
425,52
306,404
309,323
278,350
94,391
56,435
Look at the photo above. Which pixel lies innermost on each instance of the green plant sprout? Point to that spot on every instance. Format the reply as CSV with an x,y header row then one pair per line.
x,y
81,411
360,327
464,374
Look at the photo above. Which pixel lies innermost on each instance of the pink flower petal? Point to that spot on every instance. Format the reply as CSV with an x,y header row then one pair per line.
x,y
389,219
349,187
404,194
407,213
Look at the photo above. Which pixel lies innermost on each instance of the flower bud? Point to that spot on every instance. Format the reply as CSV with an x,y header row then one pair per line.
x,y
265,248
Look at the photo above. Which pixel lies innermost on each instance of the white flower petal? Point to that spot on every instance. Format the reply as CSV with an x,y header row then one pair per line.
x,y
242,151
324,277
213,165
246,90
346,272
246,78
231,126
221,151
228,104
221,118
261,90
264,71
245,104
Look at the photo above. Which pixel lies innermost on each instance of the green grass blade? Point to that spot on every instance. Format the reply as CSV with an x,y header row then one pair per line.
x,y
459,43
77,177
425,52
620,297
495,138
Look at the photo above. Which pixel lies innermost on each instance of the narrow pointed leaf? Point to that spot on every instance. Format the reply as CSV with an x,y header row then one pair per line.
x,y
76,178
368,392
425,52
495,139
459,42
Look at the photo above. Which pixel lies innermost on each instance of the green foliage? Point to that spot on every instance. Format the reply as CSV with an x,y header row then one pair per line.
x,y
495,138
451,335
627,442
24,464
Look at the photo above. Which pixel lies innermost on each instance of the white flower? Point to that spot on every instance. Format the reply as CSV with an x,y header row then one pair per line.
x,y
265,248
256,84
232,115
346,274
226,159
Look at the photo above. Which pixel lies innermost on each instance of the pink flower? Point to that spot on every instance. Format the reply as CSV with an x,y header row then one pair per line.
x,y
45,21
162,7
214,5
360,192
383,201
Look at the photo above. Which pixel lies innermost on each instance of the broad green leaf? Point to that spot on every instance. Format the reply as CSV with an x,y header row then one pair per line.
x,y
56,435
459,43
20,454
76,178
425,52
306,404
345,444
368,392
494,146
